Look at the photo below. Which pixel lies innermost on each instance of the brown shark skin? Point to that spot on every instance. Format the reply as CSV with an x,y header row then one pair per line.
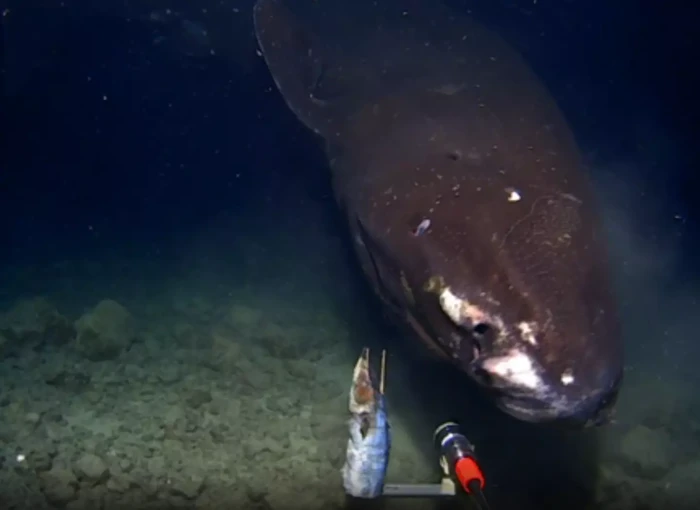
x,y
492,165
542,258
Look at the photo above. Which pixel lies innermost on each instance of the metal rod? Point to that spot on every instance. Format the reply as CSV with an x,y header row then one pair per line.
x,y
418,490
382,373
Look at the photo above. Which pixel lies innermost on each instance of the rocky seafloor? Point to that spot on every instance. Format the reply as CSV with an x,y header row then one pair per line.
x,y
239,400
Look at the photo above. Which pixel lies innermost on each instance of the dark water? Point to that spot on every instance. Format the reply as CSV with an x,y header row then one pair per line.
x,y
148,160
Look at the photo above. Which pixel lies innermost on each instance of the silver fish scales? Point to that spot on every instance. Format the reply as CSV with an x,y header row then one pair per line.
x,y
367,455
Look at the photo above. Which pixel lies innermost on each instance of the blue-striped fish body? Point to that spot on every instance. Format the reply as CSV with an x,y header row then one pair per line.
x,y
367,455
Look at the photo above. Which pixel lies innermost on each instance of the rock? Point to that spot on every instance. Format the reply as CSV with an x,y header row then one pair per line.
x,y
279,342
324,427
32,418
127,500
156,467
188,488
4,345
244,317
169,374
197,398
33,322
223,495
655,402
265,448
74,381
126,465
89,498
301,368
646,453
280,495
91,468
226,353
185,334
119,483
104,332
42,459
681,484
59,485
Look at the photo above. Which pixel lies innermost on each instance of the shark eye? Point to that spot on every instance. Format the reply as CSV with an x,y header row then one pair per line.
x,y
483,335
478,333
481,329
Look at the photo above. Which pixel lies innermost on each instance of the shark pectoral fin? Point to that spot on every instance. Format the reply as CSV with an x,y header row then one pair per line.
x,y
294,58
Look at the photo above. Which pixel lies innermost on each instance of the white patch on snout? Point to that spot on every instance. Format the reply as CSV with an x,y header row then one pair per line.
x,y
527,332
463,313
567,378
517,368
451,305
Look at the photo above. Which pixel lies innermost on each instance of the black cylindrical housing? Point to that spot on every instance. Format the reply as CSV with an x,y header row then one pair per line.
x,y
453,445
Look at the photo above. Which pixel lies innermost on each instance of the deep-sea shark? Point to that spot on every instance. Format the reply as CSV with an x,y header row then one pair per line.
x,y
465,192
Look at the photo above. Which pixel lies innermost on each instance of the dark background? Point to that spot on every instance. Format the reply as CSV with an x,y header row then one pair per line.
x,y
179,140
111,144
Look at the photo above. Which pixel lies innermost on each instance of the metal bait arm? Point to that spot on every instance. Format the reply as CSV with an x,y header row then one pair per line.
x,y
459,467
461,472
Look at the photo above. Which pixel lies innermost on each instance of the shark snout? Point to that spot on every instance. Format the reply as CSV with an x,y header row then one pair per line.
x,y
525,391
